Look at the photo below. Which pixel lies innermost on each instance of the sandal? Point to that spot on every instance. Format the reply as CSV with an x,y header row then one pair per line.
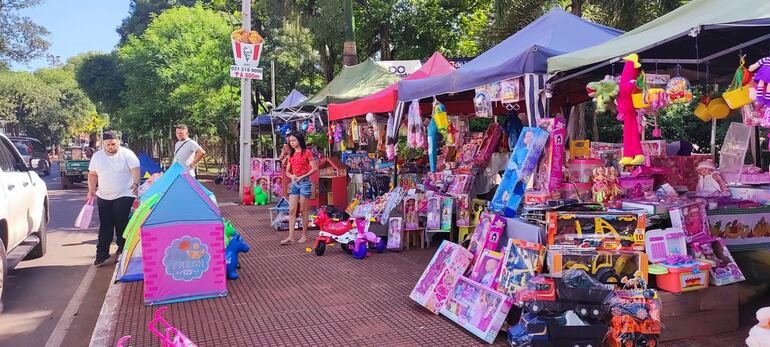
x,y
286,241
302,240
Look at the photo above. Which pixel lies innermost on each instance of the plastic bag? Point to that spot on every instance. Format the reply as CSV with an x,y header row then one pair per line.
x,y
84,217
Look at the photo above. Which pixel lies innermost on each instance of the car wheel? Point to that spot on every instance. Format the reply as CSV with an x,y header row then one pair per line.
x,y
42,246
3,269
47,168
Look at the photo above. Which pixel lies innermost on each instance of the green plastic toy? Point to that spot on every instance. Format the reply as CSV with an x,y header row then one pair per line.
x,y
260,198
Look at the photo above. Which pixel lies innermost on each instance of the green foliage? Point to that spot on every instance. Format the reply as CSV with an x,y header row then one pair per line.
x,y
178,71
99,77
408,153
21,39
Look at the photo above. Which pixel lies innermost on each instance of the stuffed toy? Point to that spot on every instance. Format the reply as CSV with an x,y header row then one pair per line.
x,y
260,198
761,70
759,335
604,93
236,245
632,146
285,130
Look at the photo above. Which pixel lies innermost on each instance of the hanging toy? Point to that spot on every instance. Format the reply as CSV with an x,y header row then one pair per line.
x,y
337,133
371,119
451,131
414,125
656,130
354,130
440,115
390,147
678,88
330,133
632,147
761,70
303,126
603,92
311,127
432,144
482,104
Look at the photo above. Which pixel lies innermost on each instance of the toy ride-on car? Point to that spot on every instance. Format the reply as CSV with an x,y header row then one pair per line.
x,y
353,237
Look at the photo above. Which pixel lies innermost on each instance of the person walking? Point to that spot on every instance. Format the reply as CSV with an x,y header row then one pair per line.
x,y
113,177
299,168
186,151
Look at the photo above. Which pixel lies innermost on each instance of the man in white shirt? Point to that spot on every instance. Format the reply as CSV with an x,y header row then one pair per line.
x,y
115,171
186,151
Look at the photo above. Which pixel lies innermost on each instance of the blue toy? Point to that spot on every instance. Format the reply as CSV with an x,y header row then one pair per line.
x,y
285,129
236,245
520,168
432,144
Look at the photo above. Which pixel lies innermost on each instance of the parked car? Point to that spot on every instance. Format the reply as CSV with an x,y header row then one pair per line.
x,y
34,154
23,211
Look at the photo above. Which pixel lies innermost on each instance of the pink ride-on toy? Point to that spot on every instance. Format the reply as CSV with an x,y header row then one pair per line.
x,y
171,337
338,228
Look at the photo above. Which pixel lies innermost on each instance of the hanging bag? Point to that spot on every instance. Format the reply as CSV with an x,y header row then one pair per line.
x,y
84,217
737,95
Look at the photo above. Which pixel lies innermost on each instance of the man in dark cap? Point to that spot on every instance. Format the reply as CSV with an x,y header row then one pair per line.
x,y
113,178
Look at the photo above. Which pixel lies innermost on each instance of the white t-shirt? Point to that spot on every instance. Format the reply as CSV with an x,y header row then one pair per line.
x,y
115,178
184,153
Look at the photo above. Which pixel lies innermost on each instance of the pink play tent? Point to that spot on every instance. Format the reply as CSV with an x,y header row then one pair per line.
x,y
385,100
183,251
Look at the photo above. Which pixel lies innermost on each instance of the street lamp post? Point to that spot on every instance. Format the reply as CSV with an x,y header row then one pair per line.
x,y
272,99
245,160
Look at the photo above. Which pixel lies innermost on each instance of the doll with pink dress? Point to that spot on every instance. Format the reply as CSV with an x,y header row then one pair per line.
x,y
761,71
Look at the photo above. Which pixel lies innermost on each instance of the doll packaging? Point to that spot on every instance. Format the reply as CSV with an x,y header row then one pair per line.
x,y
436,283
549,169
486,271
521,166
477,308
522,261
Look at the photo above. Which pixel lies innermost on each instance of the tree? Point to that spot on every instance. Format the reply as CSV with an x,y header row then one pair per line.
x,y
99,76
21,40
178,71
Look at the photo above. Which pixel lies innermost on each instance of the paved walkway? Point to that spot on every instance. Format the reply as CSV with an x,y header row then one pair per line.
x,y
288,297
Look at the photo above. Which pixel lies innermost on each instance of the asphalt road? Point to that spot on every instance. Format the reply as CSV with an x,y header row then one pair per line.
x,y
55,300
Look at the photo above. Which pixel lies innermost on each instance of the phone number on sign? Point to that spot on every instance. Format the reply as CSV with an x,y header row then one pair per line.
x,y
245,72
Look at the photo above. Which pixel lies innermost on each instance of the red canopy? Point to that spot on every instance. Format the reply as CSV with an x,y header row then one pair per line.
x,y
385,100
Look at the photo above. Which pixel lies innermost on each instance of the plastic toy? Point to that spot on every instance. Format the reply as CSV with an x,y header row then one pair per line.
x,y
609,267
248,196
759,335
710,181
336,226
574,291
530,331
447,265
632,148
603,92
679,273
591,230
235,246
635,319
260,198
520,168
440,116
523,260
170,337
432,144
761,70
724,270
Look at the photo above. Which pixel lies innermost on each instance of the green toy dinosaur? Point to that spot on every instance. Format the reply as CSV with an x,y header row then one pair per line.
x,y
603,92
260,198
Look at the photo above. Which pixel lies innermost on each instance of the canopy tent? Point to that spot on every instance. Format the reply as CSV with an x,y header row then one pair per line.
x,y
385,100
147,166
522,54
351,83
695,33
164,182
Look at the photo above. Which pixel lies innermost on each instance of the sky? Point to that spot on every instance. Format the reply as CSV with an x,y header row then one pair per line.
x,y
76,26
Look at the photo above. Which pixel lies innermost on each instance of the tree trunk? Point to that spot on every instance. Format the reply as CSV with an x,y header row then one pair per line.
x,y
577,7
349,54
385,52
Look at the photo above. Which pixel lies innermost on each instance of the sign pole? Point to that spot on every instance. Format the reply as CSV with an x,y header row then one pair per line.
x,y
245,162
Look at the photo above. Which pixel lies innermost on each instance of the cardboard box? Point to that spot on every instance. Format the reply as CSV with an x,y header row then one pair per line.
x,y
549,169
437,282
710,311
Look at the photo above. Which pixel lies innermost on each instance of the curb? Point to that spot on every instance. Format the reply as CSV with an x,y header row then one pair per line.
x,y
105,324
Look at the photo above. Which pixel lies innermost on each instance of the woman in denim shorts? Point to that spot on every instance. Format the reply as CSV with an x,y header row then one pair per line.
x,y
301,165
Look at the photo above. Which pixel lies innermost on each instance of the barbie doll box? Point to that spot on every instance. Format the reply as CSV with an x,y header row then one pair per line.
x,y
448,264
477,308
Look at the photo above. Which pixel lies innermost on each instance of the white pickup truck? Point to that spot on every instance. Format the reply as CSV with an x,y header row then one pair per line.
x,y
23,211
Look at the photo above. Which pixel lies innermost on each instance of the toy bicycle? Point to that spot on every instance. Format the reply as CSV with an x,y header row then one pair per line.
x,y
170,337
336,226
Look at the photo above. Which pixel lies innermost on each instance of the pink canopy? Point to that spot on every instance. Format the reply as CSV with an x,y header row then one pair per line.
x,y
386,99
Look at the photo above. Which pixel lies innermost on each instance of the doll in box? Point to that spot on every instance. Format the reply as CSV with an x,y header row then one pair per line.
x,y
267,167
410,213
434,213
487,269
724,270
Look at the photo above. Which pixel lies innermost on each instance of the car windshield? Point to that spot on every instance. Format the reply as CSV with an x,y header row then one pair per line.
x,y
23,149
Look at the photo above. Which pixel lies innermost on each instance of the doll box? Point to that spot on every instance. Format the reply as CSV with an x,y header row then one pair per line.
x,y
549,169
486,271
685,278
488,233
692,219
523,260
724,270
521,166
636,187
436,283
479,309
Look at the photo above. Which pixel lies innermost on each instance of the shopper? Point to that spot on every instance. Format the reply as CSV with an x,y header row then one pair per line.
x,y
113,177
299,168
186,151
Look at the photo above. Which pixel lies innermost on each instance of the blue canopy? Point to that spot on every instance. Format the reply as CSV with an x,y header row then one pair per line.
x,y
527,51
147,166
292,100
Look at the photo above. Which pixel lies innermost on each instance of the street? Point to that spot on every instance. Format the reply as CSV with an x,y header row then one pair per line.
x,y
55,300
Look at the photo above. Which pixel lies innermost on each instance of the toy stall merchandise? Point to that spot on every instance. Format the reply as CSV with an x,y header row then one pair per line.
x,y
612,267
487,234
591,230
691,218
477,308
439,279
521,167
677,272
723,270
523,260
333,177
635,319
549,169
395,233
487,270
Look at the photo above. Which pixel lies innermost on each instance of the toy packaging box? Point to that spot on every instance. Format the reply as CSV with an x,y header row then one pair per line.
x,y
486,271
446,213
463,210
521,166
691,218
591,230
667,248
487,235
395,228
723,270
597,147
654,147
411,217
609,267
636,187
434,286
477,308
522,261
549,168
434,214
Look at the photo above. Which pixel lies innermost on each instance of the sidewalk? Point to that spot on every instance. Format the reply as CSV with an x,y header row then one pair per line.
x,y
287,297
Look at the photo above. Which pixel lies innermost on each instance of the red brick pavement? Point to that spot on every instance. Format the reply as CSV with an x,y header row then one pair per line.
x,y
287,297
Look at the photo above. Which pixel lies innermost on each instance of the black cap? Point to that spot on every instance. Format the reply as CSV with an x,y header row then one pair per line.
x,y
108,135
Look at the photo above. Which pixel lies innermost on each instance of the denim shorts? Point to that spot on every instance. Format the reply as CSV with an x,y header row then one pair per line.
x,y
303,188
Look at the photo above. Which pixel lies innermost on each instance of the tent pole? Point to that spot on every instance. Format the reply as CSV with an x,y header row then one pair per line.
x,y
275,144
713,138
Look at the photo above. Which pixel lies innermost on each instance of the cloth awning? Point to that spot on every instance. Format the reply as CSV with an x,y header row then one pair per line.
x,y
351,83
526,51
386,99
690,19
